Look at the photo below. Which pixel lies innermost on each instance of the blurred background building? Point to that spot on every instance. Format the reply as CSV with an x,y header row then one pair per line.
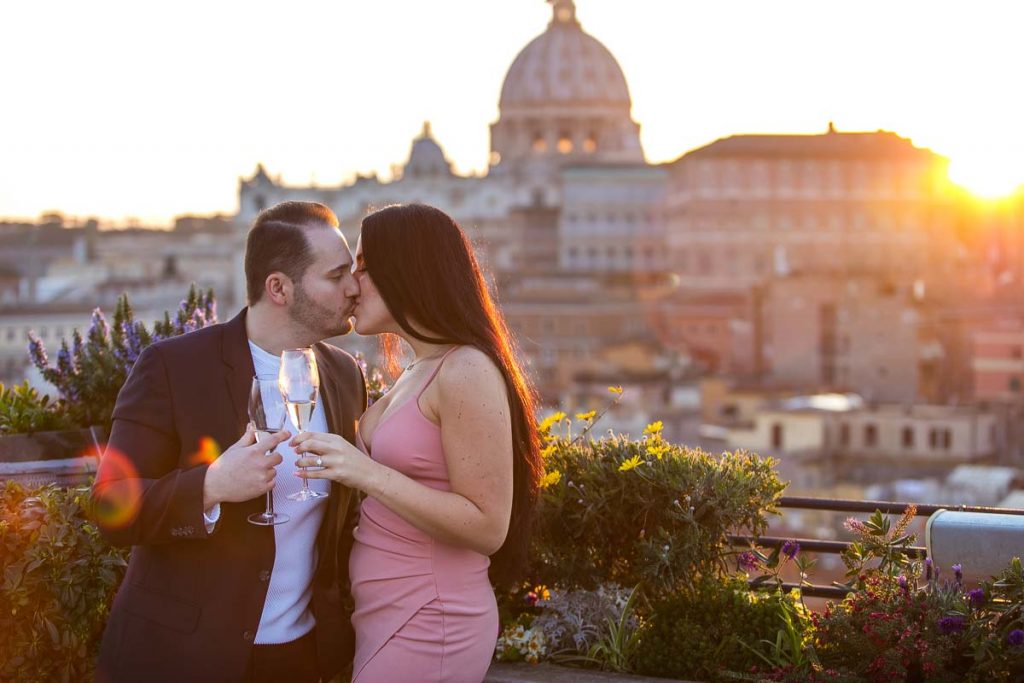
x,y
831,298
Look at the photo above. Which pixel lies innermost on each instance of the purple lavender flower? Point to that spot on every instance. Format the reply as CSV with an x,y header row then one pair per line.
x,y
77,344
950,625
958,572
210,310
976,597
1015,637
928,569
36,351
747,561
790,549
98,328
902,582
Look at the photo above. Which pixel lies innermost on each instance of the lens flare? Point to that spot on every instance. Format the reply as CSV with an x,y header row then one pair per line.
x,y
118,490
209,450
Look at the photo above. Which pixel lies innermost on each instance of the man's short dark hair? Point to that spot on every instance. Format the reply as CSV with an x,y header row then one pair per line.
x,y
277,243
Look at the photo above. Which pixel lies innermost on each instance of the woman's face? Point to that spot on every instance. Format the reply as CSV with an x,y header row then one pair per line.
x,y
371,315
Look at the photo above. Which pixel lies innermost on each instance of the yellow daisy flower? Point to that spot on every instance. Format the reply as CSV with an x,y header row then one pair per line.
x,y
586,416
550,421
615,390
658,450
550,479
630,464
654,428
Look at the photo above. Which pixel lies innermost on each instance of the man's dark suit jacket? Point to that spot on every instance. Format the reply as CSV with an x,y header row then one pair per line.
x,y
191,602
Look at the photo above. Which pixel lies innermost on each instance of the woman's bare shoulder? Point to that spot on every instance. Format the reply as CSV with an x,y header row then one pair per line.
x,y
469,368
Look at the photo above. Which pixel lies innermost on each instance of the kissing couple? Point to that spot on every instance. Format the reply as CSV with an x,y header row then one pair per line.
x,y
384,571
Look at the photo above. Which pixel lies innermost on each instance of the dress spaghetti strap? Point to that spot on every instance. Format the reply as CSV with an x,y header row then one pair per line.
x,y
434,373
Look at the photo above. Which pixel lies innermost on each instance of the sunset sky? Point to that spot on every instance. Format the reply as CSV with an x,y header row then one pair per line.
x,y
148,110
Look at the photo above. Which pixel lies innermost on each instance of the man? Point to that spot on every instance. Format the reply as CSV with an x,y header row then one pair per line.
x,y
207,595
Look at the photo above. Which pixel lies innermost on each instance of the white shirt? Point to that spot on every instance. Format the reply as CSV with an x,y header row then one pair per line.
x,y
286,613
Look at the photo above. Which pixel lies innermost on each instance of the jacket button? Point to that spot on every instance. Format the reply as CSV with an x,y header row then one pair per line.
x,y
264,575
248,636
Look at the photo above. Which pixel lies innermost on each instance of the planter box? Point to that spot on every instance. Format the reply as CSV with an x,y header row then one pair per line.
x,y
72,443
35,473
66,458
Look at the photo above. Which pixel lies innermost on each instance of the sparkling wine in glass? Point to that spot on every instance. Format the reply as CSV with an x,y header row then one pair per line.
x,y
300,382
267,415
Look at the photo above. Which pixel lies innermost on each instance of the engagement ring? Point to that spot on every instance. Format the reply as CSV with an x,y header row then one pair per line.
x,y
319,461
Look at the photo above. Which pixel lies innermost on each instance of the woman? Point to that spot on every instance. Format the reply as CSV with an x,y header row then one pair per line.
x,y
448,459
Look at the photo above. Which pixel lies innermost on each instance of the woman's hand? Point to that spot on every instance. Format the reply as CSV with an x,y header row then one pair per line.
x,y
339,460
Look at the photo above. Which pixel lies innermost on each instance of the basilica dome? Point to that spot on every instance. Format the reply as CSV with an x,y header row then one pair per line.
x,y
564,102
426,158
564,66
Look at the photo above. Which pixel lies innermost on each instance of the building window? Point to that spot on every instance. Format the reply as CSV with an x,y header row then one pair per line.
x,y
590,144
844,434
1015,353
564,144
908,437
870,436
940,438
540,145
777,436
1015,384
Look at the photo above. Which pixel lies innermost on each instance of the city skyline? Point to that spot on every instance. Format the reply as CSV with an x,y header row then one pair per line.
x,y
153,123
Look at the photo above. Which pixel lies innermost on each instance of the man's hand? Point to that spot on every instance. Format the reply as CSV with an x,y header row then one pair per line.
x,y
243,471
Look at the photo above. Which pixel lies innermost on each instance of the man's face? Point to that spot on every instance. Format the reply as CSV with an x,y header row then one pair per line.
x,y
325,296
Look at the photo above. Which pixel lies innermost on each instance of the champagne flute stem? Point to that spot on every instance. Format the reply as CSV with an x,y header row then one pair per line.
x,y
305,479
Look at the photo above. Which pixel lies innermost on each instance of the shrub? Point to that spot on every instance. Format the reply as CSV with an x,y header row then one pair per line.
x,y
645,512
23,410
95,368
598,628
59,577
701,634
891,627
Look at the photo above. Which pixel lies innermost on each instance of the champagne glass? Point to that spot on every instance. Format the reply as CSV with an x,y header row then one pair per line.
x,y
300,382
267,415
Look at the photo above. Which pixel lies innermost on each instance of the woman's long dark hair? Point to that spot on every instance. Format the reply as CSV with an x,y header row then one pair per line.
x,y
425,270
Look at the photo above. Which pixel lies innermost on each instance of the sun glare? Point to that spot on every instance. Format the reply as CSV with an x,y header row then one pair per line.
x,y
989,177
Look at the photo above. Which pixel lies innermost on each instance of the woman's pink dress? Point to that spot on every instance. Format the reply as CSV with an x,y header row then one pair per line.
x,y
424,610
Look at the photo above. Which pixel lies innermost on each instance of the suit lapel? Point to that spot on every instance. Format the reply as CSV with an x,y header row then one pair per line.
x,y
331,400
239,369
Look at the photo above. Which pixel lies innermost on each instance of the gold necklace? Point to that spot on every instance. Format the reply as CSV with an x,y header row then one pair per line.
x,y
417,361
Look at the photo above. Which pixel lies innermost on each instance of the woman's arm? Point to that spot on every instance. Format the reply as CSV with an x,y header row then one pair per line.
x,y
476,433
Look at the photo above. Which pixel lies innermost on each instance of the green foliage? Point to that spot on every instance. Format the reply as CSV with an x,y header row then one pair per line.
x,y
618,645
880,548
718,626
58,578
24,410
643,512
